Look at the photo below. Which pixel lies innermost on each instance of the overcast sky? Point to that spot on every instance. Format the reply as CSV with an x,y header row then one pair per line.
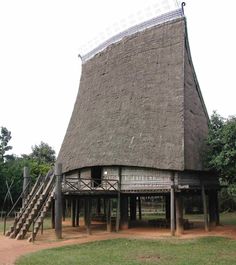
x,y
40,69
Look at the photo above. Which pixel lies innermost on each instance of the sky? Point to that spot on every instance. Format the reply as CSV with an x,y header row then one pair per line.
x,y
40,69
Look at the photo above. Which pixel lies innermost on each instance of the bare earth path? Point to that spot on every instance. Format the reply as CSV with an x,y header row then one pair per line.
x,y
11,249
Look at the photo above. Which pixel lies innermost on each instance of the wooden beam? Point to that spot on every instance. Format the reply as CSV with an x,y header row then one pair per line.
x,y
26,181
53,214
77,210
172,207
109,211
73,212
139,208
167,199
124,217
58,201
179,213
118,201
204,201
133,207
88,206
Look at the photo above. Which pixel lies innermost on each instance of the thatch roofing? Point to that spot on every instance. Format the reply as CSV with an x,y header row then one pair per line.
x,y
139,104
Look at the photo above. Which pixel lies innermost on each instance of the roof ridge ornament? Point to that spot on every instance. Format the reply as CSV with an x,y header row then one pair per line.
x,y
183,4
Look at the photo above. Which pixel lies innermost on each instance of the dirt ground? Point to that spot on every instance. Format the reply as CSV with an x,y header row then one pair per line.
x,y
11,249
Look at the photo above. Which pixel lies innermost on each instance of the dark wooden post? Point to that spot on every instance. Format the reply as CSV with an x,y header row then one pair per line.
x,y
118,200
167,198
53,214
172,205
73,212
139,208
179,213
98,206
77,210
217,208
58,201
124,216
63,208
213,208
204,201
109,211
133,207
26,181
88,212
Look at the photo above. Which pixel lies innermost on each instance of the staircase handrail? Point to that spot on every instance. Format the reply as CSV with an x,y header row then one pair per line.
x,y
40,211
36,188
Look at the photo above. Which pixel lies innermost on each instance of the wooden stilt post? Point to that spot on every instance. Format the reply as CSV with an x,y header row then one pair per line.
x,y
109,207
77,209
212,209
204,201
88,206
179,214
63,209
53,214
73,209
139,208
85,213
98,206
133,207
58,201
118,201
124,223
26,181
172,206
167,206
217,208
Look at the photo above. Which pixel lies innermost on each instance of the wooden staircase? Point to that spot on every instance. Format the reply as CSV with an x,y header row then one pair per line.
x,y
34,208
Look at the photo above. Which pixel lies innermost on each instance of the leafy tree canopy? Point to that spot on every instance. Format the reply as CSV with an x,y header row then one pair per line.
x,y
221,147
43,153
5,137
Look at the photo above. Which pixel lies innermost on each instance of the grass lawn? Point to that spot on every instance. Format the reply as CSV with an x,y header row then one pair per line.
x,y
204,251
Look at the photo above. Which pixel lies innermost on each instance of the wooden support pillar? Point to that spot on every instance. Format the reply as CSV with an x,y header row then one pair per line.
x,y
139,208
179,213
77,210
63,209
26,183
109,212
53,214
204,201
98,206
217,208
118,201
73,205
167,206
124,216
213,208
88,212
58,201
172,207
133,207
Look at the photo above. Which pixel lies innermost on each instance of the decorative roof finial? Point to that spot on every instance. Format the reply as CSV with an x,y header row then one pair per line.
x,y
183,4
79,55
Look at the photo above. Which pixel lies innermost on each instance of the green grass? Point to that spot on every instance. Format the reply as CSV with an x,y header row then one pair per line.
x,y
206,251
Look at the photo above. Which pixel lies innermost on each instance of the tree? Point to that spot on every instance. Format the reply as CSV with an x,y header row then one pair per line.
x,y
5,137
43,153
221,147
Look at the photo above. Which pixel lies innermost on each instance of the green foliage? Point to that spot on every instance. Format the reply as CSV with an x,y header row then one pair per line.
x,y
221,147
43,153
207,250
11,166
5,137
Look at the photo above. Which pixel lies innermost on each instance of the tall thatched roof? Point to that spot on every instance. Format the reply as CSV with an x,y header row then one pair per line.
x,y
139,104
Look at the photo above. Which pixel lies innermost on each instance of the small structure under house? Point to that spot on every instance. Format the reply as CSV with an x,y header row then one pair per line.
x,y
137,129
